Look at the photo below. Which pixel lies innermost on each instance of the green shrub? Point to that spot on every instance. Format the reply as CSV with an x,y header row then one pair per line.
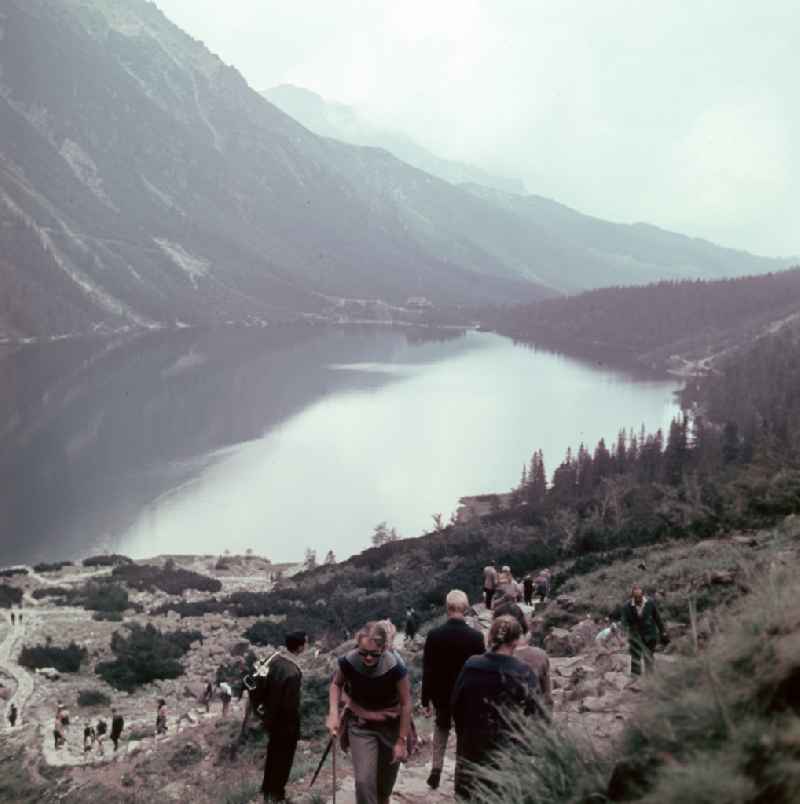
x,y
65,660
107,560
105,597
169,578
144,655
54,567
9,596
12,572
93,698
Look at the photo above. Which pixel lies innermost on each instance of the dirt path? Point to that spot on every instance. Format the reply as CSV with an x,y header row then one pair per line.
x,y
8,664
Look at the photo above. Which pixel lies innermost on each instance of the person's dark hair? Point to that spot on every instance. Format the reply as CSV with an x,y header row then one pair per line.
x,y
295,640
509,608
505,630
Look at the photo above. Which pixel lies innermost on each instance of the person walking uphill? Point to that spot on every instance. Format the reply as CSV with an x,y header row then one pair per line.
x,y
489,583
446,650
281,715
644,626
486,685
117,725
376,722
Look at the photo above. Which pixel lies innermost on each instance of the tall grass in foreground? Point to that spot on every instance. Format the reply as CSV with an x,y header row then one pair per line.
x,y
721,726
543,765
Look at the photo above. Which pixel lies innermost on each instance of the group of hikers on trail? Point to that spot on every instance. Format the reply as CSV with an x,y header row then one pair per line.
x,y
92,735
497,585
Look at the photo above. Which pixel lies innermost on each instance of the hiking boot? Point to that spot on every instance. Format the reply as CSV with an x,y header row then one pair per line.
x,y
433,779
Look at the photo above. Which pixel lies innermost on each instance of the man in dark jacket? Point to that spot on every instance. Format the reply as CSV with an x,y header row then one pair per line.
x,y
446,650
644,626
117,725
281,715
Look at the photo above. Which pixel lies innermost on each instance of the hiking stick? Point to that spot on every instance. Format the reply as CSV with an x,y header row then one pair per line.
x,y
331,743
334,773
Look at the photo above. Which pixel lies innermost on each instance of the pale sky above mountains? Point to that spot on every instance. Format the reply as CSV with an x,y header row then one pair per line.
x,y
685,114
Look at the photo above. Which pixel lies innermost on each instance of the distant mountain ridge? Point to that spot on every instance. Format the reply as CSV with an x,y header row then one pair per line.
x,y
143,183
345,123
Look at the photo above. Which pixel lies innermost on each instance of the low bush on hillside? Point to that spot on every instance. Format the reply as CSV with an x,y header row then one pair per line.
x,y
101,596
104,597
53,567
93,698
145,654
43,592
9,596
169,578
12,572
196,608
106,560
65,660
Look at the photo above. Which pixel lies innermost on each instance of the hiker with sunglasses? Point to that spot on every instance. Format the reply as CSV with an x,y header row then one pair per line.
x,y
373,682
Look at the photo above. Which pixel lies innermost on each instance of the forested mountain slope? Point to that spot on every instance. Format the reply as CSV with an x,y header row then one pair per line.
x,y
658,325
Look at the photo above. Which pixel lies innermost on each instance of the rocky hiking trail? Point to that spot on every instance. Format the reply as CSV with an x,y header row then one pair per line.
x,y
593,692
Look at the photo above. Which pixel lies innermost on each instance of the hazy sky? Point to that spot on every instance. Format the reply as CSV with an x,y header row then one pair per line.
x,y
684,113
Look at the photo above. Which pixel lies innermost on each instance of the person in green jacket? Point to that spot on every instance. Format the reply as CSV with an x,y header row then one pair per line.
x,y
644,626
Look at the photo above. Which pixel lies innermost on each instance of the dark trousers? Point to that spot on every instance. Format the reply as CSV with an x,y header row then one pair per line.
x,y
641,648
280,756
488,594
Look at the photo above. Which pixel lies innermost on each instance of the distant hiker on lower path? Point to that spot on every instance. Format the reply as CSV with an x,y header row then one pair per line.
x,y
208,694
644,625
225,695
88,738
376,723
161,718
281,715
489,583
412,623
496,679
117,725
446,650
13,619
101,730
12,715
59,727
527,589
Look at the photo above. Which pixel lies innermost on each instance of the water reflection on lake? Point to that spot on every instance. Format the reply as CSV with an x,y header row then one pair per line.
x,y
282,439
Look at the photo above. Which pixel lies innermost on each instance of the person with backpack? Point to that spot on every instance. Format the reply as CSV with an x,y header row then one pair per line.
x,y
446,650
12,715
486,685
117,725
59,727
100,730
376,722
280,714
644,626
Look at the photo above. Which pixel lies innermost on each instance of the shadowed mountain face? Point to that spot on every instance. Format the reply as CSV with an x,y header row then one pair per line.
x,y
143,182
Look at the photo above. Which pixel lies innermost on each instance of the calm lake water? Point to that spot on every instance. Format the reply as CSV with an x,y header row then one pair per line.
x,y
284,438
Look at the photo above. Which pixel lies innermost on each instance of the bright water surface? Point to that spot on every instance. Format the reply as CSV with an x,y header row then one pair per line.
x,y
283,439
